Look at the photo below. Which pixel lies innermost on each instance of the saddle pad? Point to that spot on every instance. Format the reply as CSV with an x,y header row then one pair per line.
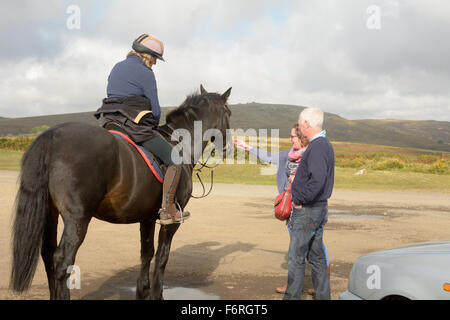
x,y
149,160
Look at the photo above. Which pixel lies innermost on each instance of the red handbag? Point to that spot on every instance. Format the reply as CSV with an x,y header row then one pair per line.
x,y
283,204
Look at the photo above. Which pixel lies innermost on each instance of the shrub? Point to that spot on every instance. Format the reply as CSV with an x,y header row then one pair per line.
x,y
356,163
388,165
39,129
427,158
440,166
16,143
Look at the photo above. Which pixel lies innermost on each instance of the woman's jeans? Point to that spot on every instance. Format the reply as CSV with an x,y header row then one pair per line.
x,y
307,226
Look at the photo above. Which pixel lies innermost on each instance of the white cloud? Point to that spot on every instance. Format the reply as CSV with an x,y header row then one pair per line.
x,y
320,53
73,81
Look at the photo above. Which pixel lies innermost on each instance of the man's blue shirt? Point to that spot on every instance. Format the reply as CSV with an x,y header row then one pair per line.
x,y
322,133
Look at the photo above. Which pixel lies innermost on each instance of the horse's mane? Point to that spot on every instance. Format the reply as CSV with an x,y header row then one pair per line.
x,y
189,107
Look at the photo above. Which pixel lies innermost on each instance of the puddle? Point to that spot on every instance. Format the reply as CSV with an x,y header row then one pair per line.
x,y
349,214
358,216
337,211
180,293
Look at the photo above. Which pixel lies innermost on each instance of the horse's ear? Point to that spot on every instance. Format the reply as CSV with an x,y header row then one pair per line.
x,y
226,94
202,90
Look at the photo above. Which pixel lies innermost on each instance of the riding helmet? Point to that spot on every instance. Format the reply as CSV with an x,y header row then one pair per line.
x,y
146,43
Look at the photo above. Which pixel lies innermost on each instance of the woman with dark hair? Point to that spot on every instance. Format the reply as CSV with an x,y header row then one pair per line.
x,y
132,102
287,162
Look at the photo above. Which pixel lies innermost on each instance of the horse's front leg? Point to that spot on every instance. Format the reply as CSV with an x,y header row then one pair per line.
x,y
162,256
147,252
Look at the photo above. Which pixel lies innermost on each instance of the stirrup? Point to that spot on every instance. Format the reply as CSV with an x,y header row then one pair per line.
x,y
181,213
171,219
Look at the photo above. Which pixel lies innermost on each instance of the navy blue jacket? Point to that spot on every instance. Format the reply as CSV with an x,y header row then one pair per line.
x,y
314,179
131,77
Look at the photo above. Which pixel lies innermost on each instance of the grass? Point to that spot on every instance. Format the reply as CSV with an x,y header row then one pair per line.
x,y
360,156
10,160
345,178
386,168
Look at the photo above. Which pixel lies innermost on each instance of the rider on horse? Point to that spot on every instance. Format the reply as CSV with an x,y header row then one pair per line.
x,y
133,103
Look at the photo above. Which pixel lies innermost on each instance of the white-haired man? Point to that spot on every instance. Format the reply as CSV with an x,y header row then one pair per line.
x,y
311,188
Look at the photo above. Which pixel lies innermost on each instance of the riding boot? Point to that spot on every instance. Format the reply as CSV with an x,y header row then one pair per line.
x,y
169,213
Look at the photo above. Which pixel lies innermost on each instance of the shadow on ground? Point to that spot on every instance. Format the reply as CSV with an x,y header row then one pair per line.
x,y
200,261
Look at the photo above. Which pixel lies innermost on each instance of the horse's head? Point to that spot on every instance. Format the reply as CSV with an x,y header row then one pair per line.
x,y
208,111
220,120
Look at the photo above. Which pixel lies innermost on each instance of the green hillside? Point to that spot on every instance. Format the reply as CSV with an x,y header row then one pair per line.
x,y
432,135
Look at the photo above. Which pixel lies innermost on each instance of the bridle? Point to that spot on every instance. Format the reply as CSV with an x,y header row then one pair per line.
x,y
202,164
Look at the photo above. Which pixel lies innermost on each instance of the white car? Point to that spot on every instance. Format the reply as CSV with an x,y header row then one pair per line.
x,y
420,271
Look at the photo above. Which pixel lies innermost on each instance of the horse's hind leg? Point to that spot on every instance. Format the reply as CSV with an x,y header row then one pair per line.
x,y
147,252
73,235
49,244
162,256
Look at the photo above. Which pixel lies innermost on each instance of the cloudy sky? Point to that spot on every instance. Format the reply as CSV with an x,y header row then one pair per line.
x,y
356,58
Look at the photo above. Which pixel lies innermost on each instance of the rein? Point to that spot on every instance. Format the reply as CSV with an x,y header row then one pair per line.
x,y
199,170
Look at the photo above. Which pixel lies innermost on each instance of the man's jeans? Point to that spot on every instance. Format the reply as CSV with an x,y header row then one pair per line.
x,y
307,226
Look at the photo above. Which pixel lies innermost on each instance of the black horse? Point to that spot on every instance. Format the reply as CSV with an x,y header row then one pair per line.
x,y
80,171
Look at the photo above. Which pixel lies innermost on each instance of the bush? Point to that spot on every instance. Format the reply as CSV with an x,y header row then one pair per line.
x,y
388,165
356,163
427,158
16,143
440,166
39,129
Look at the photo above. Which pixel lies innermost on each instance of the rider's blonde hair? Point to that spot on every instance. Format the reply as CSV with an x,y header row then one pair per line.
x,y
146,57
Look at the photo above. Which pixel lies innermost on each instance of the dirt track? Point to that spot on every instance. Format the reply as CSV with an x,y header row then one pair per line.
x,y
232,247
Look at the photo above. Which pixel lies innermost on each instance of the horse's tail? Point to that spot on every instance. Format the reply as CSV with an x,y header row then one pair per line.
x,y
32,208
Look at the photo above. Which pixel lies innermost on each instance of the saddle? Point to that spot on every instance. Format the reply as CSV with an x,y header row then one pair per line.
x,y
155,165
